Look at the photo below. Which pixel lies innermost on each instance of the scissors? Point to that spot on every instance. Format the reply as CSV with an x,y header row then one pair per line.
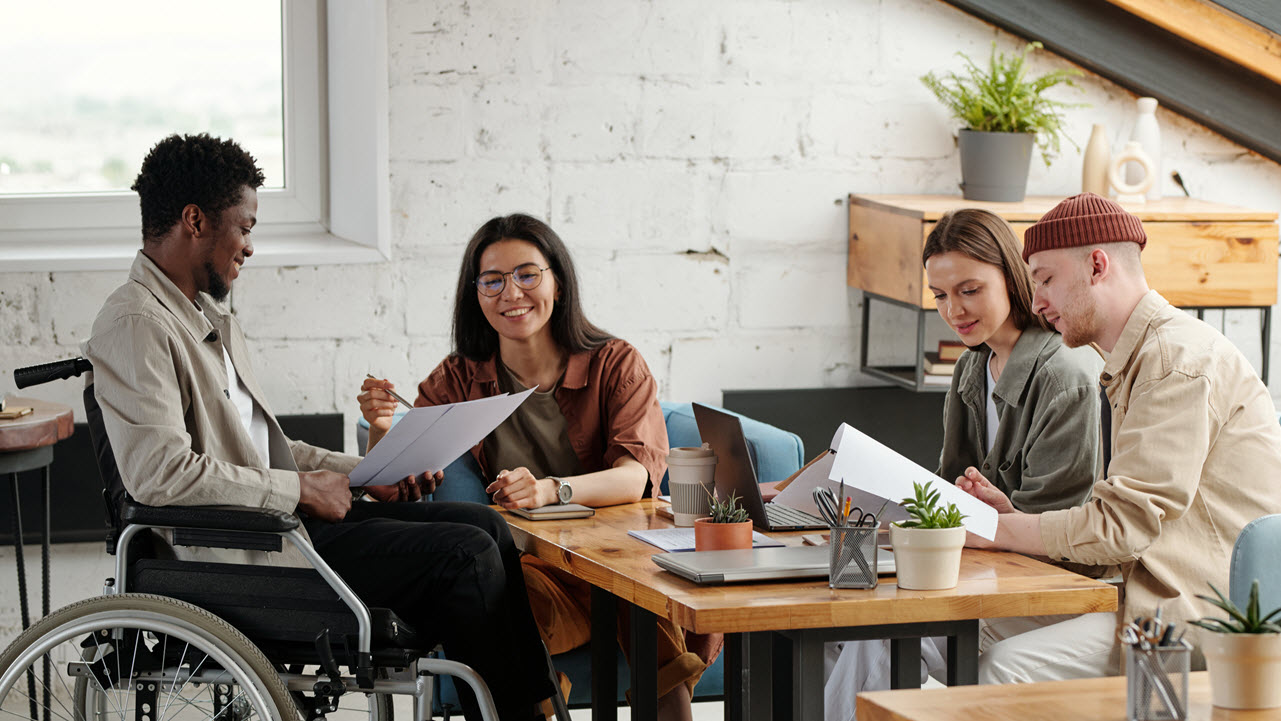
x,y
866,519
826,502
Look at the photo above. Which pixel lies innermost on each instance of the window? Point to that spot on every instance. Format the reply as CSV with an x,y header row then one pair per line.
x,y
323,144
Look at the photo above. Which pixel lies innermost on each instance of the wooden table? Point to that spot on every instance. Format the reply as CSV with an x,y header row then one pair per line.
x,y
764,622
1095,699
1199,255
26,444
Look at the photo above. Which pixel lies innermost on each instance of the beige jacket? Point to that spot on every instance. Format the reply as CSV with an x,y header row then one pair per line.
x,y
160,378
1196,454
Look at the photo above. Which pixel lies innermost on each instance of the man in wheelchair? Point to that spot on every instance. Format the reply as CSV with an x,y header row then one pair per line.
x,y
190,426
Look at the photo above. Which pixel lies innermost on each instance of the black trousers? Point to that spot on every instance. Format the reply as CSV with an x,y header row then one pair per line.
x,y
451,571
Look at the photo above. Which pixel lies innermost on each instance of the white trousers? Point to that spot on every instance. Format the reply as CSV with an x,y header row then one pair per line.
x,y
1011,650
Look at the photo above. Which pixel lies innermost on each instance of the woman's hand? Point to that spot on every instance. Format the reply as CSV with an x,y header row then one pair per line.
x,y
981,488
518,488
377,405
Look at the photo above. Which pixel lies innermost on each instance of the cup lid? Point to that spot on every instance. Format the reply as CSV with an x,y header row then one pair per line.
x,y
702,453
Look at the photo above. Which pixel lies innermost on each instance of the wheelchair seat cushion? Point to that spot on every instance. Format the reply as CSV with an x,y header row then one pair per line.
x,y
273,606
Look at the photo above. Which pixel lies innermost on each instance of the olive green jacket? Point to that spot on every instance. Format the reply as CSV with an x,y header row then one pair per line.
x,y
1046,453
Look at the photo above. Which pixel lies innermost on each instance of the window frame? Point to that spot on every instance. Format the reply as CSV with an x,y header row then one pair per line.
x,y
335,206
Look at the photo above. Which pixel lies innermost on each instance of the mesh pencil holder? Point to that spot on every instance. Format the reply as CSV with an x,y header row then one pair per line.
x,y
852,561
1156,682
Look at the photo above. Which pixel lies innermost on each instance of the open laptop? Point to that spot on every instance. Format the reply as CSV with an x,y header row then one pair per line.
x,y
758,564
736,474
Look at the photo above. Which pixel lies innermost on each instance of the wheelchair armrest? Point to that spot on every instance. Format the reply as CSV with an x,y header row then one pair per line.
x,y
255,520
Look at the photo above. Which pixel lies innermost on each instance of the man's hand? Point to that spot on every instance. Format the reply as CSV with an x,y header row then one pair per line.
x,y
518,488
981,488
408,489
324,495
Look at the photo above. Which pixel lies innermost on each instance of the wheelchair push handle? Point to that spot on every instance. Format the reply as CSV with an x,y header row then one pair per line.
x,y
56,371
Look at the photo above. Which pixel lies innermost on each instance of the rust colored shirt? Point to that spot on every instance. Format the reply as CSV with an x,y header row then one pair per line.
x,y
608,396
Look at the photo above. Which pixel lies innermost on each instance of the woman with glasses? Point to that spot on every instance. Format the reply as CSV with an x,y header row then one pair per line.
x,y
591,433
1022,410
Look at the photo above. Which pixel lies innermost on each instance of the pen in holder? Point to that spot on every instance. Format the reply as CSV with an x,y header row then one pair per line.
x,y
1156,681
852,559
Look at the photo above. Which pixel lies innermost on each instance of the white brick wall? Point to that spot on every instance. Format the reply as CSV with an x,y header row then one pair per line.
x,y
641,131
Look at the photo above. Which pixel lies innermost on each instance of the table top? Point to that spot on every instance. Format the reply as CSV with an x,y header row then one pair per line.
x,y
992,585
1031,208
1094,699
48,424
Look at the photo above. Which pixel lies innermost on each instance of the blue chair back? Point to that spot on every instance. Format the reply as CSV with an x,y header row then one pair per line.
x,y
1257,554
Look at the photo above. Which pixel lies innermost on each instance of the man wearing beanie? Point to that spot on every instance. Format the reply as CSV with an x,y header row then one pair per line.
x,y
1193,453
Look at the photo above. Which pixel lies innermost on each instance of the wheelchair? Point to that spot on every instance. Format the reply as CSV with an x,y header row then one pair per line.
x,y
182,641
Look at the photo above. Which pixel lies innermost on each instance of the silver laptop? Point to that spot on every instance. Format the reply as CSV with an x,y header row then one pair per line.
x,y
736,474
758,564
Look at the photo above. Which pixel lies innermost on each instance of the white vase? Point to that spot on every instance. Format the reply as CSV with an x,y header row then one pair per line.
x,y
1123,164
1245,669
927,559
1094,166
1147,133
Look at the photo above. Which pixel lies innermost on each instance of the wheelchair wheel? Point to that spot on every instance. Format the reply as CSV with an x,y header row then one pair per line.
x,y
138,657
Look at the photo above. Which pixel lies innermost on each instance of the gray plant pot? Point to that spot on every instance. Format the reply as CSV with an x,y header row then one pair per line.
x,y
994,166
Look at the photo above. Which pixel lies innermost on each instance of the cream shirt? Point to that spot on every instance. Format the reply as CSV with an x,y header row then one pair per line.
x,y
1196,454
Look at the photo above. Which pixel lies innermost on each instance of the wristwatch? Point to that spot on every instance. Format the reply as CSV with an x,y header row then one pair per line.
x,y
564,492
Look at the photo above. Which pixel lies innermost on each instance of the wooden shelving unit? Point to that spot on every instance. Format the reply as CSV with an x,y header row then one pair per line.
x,y
1200,255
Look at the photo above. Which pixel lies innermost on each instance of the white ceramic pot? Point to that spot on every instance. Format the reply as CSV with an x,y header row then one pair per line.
x,y
928,559
1245,669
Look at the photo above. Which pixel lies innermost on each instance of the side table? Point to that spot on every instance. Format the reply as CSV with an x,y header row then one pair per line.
x,y
26,444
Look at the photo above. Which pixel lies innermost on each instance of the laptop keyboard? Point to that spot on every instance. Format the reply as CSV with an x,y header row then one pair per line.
x,y
780,515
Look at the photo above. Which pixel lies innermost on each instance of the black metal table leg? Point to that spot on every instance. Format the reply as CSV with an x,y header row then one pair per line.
x,y
748,676
963,654
807,677
905,662
44,583
20,563
644,664
604,655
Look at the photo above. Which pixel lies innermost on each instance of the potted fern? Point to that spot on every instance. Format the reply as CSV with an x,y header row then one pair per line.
x,y
1243,653
727,528
927,546
1005,113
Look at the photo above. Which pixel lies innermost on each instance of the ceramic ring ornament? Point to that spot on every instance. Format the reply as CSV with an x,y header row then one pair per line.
x,y
1133,153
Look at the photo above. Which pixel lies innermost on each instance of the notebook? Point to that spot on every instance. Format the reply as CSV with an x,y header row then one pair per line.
x,y
682,539
758,564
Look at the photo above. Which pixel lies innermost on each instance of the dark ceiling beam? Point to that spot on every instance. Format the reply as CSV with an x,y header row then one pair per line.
x,y
1143,58
1266,13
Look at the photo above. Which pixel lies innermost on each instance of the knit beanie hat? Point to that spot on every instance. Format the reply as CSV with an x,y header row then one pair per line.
x,y
1084,219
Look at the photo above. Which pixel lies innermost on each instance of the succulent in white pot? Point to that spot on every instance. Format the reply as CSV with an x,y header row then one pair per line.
x,y
927,546
1243,653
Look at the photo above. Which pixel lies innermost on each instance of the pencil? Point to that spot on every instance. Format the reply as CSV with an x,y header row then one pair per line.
x,y
394,394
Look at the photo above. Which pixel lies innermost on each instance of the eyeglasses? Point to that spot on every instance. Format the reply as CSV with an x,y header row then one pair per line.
x,y
526,277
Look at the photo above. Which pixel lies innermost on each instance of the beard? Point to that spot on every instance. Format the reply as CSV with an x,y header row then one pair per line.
x,y
218,288
1084,324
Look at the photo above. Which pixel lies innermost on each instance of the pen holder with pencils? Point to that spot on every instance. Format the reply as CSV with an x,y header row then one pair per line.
x,y
852,563
1156,682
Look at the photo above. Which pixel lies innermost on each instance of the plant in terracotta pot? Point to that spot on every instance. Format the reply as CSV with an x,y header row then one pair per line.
x,y
1005,113
927,546
1243,653
727,528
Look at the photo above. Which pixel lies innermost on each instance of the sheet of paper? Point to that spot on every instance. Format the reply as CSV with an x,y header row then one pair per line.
x,y
870,466
430,438
799,494
682,539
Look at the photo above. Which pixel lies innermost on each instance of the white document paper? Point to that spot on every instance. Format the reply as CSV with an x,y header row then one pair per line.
x,y
869,466
682,539
799,494
430,438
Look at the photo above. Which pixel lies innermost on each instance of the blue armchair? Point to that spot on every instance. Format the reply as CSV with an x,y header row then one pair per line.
x,y
776,454
1257,554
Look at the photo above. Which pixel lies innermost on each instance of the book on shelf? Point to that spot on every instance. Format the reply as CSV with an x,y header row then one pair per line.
x,y
950,350
932,379
936,366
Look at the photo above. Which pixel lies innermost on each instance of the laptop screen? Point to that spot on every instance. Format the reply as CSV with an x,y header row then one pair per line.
x,y
734,470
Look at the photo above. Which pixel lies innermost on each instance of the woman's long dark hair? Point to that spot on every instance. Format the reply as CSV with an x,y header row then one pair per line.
x,y
474,337
987,238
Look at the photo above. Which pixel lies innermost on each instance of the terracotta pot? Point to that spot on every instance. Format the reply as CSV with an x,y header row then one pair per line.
x,y
1245,669
710,536
927,559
